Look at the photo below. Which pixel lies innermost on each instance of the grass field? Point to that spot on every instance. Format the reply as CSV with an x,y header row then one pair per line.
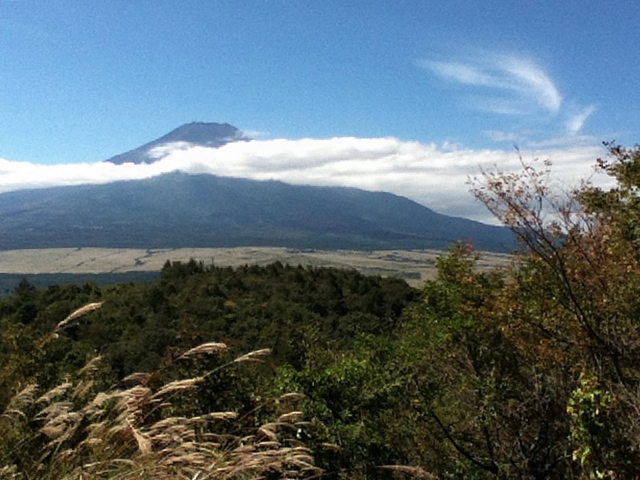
x,y
415,266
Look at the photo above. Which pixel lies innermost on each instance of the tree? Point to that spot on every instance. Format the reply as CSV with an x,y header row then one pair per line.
x,y
485,411
575,299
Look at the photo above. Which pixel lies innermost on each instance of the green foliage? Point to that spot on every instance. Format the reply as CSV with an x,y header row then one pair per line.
x,y
587,408
353,401
487,410
9,281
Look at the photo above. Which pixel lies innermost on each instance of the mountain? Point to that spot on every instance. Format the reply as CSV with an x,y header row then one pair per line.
x,y
181,210
195,133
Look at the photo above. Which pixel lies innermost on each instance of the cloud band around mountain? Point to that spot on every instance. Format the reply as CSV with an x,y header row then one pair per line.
x,y
433,176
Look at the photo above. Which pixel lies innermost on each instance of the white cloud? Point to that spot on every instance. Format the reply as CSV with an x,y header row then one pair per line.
x,y
431,175
519,85
465,74
531,81
500,136
576,121
166,148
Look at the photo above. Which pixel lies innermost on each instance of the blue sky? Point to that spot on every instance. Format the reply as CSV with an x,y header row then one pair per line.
x,y
81,81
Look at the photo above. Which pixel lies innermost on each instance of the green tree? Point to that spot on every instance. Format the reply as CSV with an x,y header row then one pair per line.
x,y
483,407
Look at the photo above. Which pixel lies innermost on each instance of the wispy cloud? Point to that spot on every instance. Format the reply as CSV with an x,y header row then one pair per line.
x,y
500,136
576,121
512,85
432,175
516,85
531,81
463,73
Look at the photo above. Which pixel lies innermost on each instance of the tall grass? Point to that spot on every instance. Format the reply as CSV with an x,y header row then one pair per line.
x,y
139,428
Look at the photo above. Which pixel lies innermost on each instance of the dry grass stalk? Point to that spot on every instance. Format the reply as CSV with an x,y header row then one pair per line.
x,y
135,432
54,410
255,356
290,417
139,377
82,389
90,307
269,430
19,402
95,407
91,366
204,349
25,395
55,392
143,440
178,386
215,416
61,425
131,400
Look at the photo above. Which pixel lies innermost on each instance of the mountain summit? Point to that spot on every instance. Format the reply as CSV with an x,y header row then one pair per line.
x,y
192,134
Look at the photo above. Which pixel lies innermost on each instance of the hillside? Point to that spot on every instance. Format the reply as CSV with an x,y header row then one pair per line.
x,y
179,210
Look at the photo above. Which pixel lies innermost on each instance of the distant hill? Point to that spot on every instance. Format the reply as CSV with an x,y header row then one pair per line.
x,y
180,210
195,133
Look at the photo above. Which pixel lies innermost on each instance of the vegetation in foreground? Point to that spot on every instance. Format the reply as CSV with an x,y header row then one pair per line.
x,y
528,373
145,426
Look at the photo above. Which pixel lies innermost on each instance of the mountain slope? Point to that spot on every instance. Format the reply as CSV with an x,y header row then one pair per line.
x,y
195,133
181,210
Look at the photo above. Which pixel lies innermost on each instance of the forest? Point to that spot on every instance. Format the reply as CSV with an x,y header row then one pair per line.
x,y
283,371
